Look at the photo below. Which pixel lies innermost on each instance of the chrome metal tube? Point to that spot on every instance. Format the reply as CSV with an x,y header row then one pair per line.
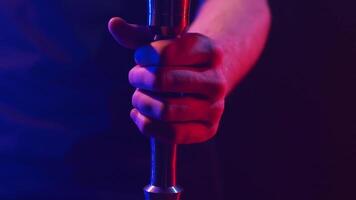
x,y
168,19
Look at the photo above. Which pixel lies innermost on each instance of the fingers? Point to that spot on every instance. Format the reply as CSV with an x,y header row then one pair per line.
x,y
173,109
207,83
191,49
186,65
179,120
129,35
178,133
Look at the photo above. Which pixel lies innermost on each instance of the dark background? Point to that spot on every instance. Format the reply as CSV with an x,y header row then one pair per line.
x,y
287,132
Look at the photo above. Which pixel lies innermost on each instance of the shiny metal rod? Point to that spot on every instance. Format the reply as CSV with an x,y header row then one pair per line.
x,y
163,173
167,18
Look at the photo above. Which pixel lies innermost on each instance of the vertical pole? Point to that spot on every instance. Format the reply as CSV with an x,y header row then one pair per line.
x,y
168,18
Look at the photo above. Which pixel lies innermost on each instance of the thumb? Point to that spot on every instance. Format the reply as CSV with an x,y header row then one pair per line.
x,y
129,35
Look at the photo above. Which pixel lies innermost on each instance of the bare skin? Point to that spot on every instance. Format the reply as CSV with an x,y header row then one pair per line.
x,y
205,64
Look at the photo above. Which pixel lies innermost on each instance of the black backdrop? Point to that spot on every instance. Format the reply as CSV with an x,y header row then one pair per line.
x,y
288,129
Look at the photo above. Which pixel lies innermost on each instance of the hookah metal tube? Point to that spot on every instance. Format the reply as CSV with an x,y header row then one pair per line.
x,y
168,19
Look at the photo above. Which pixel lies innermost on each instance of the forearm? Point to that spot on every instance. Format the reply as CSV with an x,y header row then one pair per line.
x,y
239,28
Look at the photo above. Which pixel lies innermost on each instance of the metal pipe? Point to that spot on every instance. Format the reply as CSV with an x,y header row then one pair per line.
x,y
168,19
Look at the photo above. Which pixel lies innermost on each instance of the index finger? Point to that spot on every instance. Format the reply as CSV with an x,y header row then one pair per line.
x,y
191,49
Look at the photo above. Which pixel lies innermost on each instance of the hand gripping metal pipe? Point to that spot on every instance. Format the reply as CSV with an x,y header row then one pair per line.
x,y
168,19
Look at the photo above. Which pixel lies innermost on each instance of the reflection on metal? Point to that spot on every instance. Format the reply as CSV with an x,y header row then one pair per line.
x,y
171,17
168,18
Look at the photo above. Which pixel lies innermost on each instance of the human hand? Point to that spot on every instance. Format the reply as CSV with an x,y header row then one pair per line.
x,y
180,84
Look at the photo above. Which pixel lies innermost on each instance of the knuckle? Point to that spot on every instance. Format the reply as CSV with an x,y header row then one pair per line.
x,y
211,132
215,113
220,88
219,106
